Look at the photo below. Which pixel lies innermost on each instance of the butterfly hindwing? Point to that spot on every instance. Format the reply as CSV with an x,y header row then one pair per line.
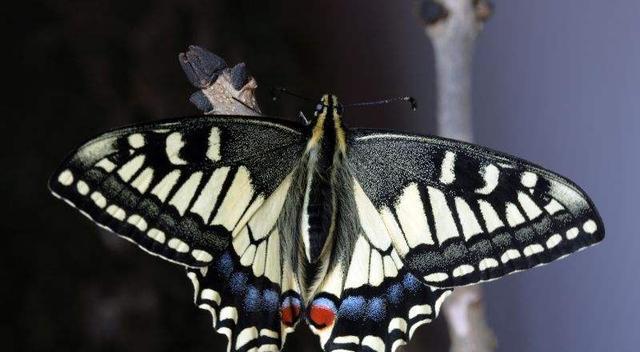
x,y
242,307
179,189
245,308
371,304
458,213
250,289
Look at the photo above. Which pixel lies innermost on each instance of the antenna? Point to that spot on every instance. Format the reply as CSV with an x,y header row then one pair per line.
x,y
412,101
277,91
275,95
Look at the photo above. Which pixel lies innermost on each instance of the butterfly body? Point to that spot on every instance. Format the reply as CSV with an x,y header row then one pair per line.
x,y
325,154
360,233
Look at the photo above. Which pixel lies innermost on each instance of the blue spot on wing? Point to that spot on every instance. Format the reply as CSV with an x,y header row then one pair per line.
x,y
377,309
238,283
252,300
325,302
225,265
352,307
410,283
270,299
394,292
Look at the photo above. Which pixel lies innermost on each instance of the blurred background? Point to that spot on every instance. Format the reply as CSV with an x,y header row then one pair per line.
x,y
554,82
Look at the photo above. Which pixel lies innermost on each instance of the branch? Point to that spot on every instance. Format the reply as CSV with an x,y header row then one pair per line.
x,y
452,26
222,90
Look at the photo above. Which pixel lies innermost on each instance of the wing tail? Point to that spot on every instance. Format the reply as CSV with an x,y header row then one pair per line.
x,y
243,308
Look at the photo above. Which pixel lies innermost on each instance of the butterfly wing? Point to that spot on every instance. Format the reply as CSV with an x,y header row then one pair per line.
x,y
250,289
247,310
179,189
458,213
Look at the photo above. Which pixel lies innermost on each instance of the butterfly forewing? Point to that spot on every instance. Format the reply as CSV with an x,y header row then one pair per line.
x,y
179,189
458,213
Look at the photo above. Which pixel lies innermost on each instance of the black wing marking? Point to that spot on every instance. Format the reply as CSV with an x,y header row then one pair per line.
x,y
459,213
179,189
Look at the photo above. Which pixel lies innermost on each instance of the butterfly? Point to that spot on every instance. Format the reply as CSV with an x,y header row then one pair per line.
x,y
360,233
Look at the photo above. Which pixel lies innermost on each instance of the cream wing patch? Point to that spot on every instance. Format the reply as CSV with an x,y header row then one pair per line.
x,y
370,220
205,202
236,200
213,149
444,223
256,236
358,273
412,217
173,146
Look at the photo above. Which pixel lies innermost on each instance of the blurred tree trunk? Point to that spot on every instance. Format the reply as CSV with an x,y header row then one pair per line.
x,y
452,26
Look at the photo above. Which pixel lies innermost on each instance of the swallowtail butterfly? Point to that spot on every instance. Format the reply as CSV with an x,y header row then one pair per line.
x,y
360,233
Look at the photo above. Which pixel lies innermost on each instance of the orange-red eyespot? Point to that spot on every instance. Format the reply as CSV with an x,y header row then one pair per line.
x,y
290,311
322,313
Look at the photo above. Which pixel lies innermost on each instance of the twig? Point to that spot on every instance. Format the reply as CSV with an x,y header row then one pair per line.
x,y
452,26
222,90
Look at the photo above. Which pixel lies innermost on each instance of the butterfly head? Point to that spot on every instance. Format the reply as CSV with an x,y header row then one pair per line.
x,y
328,116
329,106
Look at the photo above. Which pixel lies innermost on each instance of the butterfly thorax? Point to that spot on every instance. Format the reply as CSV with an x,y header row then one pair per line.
x,y
326,150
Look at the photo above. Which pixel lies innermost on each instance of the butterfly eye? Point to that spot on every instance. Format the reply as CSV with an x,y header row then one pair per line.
x,y
319,107
339,109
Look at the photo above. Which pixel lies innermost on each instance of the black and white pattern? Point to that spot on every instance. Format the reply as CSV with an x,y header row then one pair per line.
x,y
359,233
459,213
165,187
